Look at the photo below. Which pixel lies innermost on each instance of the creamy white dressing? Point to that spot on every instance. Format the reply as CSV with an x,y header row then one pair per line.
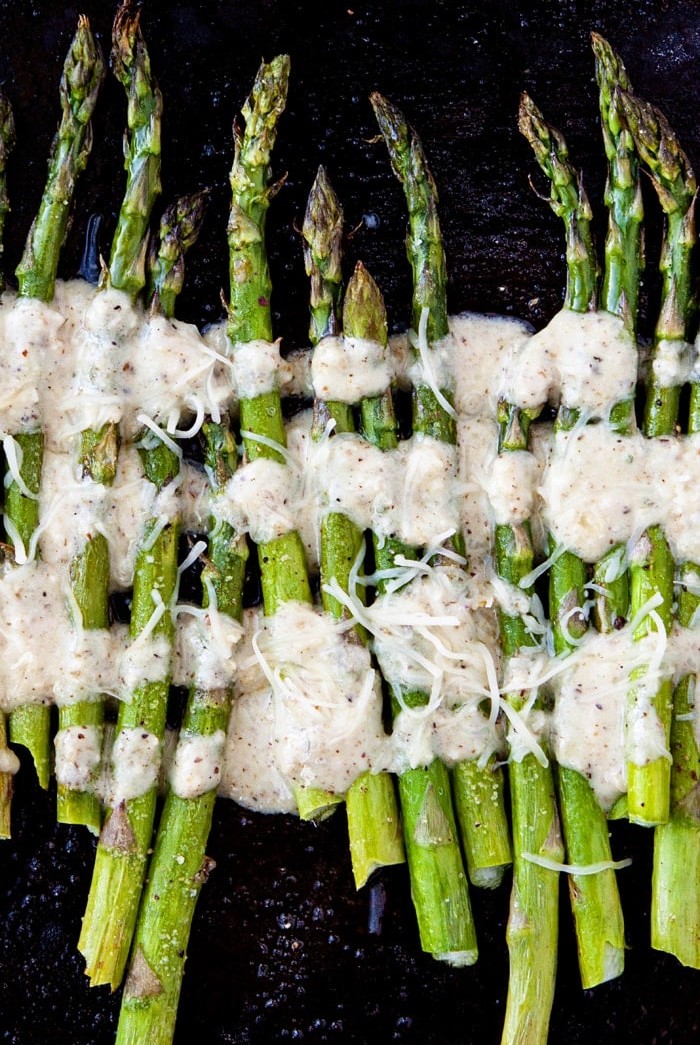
x,y
135,761
346,369
205,644
586,361
307,708
673,362
258,368
602,489
78,753
196,765
411,493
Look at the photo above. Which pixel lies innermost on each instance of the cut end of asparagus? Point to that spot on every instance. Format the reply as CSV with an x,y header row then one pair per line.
x,y
315,804
30,727
675,906
374,827
457,959
78,807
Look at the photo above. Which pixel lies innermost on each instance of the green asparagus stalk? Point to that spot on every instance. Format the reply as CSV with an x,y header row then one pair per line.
x,y
83,73
675,898
438,881
372,813
340,538
179,866
595,899
648,786
624,262
7,143
112,906
99,448
533,923
282,560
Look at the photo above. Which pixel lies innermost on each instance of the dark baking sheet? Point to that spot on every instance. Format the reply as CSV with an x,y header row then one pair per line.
x,y
282,947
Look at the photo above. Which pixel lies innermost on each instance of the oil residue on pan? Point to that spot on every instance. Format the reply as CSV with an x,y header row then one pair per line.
x,y
282,946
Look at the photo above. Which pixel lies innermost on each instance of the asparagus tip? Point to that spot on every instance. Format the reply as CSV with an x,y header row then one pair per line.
x,y
659,148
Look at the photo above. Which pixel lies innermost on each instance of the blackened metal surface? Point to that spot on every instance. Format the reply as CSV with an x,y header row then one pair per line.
x,y
281,948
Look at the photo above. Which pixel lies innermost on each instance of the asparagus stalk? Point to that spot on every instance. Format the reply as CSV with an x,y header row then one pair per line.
x,y
99,447
675,899
122,850
372,813
7,143
648,787
438,882
533,923
83,73
282,560
340,539
675,896
595,899
624,263
179,866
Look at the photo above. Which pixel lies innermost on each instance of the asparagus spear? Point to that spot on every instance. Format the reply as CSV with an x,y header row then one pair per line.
x,y
594,898
112,905
179,866
652,563
83,73
675,906
675,895
373,819
624,262
99,447
249,307
9,759
533,922
438,881
282,560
